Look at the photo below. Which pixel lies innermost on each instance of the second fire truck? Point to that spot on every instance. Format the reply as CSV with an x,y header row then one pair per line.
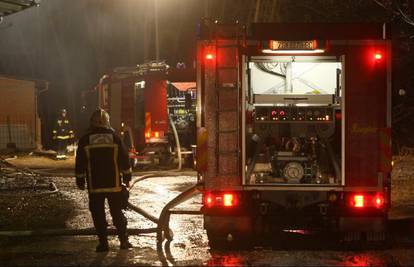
x,y
152,106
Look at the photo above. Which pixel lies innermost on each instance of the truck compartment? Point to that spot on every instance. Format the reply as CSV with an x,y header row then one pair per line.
x,y
293,121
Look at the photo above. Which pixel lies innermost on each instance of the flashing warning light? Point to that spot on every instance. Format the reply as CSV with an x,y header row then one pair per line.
x,y
148,134
209,56
358,201
156,134
378,55
282,113
274,112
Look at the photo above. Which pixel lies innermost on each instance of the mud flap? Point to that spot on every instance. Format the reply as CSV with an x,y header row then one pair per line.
x,y
228,231
239,224
362,224
368,229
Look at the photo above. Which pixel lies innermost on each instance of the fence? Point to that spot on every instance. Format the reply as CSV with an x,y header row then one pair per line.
x,y
18,131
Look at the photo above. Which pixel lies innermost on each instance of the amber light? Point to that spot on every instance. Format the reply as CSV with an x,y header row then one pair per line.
x,y
156,134
228,200
147,134
358,201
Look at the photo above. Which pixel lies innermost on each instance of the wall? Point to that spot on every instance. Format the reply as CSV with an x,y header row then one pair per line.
x,y
19,121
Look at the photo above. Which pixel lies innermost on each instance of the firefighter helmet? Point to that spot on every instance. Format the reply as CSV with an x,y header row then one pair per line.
x,y
100,119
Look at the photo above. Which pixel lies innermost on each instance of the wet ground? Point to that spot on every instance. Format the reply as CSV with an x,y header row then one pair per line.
x,y
190,244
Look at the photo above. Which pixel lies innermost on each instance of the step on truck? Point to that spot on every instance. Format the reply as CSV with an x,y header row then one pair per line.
x,y
293,129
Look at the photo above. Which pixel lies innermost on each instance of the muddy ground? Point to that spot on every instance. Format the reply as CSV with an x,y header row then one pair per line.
x,y
23,209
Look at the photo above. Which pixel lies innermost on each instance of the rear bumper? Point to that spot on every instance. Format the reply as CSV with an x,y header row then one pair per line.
x,y
362,224
225,224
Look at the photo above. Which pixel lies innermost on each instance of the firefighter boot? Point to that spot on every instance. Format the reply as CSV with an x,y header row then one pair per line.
x,y
103,245
124,243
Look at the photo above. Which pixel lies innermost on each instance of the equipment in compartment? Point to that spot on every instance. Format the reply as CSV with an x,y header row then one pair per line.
x,y
291,146
181,108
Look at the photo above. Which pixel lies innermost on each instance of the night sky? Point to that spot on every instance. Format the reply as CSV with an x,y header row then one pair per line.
x,y
72,43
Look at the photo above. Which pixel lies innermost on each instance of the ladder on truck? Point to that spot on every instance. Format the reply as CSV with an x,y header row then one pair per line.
x,y
227,92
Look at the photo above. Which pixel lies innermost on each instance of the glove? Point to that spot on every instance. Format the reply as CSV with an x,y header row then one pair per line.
x,y
126,177
125,197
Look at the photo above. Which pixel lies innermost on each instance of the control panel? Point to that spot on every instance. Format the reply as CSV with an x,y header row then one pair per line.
x,y
276,114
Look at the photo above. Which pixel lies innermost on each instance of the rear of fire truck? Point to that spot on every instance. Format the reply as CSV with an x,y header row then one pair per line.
x,y
293,129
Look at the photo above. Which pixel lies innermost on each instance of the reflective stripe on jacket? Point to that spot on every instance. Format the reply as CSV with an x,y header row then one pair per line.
x,y
102,160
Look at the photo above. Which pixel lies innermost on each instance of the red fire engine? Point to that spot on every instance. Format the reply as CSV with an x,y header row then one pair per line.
x,y
293,129
152,106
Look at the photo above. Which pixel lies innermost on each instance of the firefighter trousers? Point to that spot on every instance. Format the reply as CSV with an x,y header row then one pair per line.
x,y
62,145
97,209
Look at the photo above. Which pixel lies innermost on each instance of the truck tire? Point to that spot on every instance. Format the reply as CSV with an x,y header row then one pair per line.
x,y
164,159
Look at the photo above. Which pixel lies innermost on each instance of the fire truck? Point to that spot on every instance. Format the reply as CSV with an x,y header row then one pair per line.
x,y
293,129
152,107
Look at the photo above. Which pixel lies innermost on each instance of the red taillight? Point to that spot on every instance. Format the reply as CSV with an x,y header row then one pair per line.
x,y
378,55
358,201
220,200
338,116
379,201
209,56
209,201
367,200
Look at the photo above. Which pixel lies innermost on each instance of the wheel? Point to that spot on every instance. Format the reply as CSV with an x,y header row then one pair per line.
x,y
164,159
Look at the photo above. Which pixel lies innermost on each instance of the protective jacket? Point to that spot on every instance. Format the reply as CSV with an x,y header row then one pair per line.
x,y
63,129
102,160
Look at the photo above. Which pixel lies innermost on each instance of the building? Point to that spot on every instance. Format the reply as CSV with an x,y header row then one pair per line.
x,y
20,125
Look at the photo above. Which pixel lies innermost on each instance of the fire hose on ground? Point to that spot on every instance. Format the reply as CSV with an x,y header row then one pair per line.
x,y
162,229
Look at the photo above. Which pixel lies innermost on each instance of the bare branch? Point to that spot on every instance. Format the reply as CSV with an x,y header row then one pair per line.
x,y
379,3
405,17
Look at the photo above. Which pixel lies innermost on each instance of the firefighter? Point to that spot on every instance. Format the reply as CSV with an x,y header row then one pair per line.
x,y
63,134
104,176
